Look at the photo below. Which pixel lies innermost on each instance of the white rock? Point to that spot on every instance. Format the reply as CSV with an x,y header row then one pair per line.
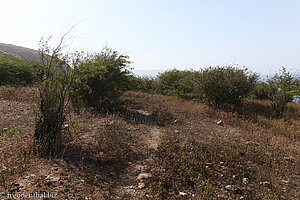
x,y
234,188
97,176
265,183
245,181
144,175
3,169
182,194
141,185
286,181
53,177
220,123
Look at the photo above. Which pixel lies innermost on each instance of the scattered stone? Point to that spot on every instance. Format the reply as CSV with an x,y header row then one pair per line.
x,y
144,175
175,121
97,176
234,188
53,177
131,187
265,183
101,153
290,158
285,181
3,169
176,131
220,123
245,181
182,194
141,185
66,125
221,163
5,129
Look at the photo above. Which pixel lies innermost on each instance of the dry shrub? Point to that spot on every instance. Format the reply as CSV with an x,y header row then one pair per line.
x,y
165,108
114,140
14,160
251,144
16,93
15,142
202,169
162,115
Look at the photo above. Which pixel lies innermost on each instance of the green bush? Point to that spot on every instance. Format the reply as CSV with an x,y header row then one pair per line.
x,y
296,89
15,71
177,83
100,79
261,91
282,86
53,87
225,85
142,84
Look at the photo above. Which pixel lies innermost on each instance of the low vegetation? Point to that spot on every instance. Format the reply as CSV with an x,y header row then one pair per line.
x,y
249,156
100,80
217,133
15,70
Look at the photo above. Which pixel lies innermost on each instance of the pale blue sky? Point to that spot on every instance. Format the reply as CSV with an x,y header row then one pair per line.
x,y
162,34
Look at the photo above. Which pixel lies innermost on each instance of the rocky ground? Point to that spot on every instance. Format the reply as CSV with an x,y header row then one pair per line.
x,y
113,157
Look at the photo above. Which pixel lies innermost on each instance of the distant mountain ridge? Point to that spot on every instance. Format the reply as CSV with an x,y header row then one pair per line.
x,y
21,52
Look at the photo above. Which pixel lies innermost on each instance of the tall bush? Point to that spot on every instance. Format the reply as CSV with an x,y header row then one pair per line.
x,y
53,87
15,71
142,84
100,79
177,83
225,85
282,89
262,91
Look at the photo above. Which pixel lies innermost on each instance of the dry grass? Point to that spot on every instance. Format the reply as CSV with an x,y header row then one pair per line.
x,y
16,93
16,130
200,158
252,150
96,150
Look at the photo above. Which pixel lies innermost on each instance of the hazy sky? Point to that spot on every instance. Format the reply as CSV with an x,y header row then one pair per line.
x,y
162,34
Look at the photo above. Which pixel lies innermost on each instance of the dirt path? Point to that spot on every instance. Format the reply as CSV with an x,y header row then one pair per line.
x,y
128,185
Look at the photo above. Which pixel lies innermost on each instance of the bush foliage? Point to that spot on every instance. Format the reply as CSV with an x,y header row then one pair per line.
x,y
177,83
225,85
15,71
53,85
100,79
282,88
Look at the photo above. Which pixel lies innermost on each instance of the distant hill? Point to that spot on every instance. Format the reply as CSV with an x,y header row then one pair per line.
x,y
21,52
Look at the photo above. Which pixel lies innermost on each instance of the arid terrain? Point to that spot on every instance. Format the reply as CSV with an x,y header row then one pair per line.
x,y
161,148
